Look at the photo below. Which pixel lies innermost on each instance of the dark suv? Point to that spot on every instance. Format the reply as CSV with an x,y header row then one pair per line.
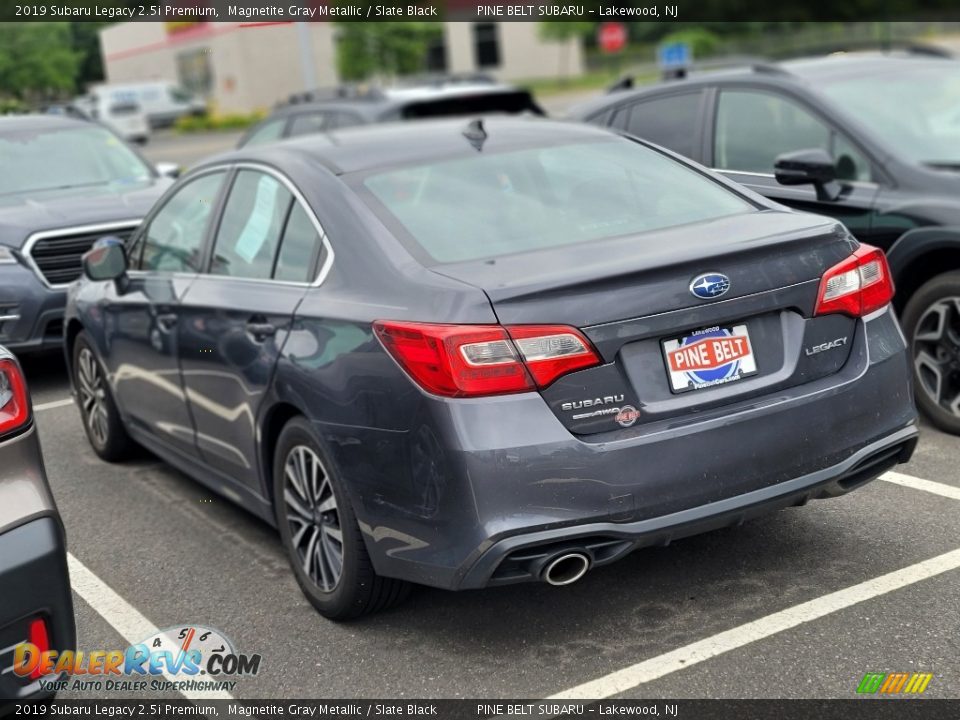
x,y
349,105
871,139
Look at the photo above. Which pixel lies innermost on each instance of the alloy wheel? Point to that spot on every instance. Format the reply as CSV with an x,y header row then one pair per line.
x,y
936,353
93,396
311,511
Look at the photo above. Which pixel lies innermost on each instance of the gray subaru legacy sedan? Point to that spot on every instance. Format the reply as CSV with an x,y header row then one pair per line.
x,y
471,353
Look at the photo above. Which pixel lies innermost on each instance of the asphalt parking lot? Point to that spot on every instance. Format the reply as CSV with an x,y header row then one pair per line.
x,y
799,604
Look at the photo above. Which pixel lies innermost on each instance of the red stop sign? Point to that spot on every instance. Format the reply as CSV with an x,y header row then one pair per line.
x,y
612,37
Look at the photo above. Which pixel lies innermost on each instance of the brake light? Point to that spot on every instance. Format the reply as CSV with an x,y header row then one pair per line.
x,y
14,406
476,360
39,637
857,285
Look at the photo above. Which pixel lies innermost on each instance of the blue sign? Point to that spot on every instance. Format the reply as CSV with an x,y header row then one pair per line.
x,y
674,55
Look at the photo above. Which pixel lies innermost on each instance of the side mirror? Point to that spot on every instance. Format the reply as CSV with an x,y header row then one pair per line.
x,y
168,169
106,260
809,167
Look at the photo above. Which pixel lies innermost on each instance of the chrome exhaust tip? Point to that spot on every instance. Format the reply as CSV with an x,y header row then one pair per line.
x,y
566,569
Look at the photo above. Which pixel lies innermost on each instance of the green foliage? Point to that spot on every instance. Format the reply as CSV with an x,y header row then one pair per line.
x,y
36,59
384,48
208,121
12,106
86,42
560,31
702,42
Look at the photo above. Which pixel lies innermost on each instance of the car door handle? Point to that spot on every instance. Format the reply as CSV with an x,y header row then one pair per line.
x,y
167,321
261,330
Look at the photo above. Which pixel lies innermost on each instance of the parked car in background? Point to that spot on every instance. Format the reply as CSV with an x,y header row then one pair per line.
x,y
871,139
35,602
118,110
162,101
346,106
476,353
63,184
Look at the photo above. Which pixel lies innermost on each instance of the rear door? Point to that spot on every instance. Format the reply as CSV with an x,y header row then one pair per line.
x,y
237,315
751,126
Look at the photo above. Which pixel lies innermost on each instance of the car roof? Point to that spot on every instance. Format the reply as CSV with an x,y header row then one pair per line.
x,y
14,123
369,147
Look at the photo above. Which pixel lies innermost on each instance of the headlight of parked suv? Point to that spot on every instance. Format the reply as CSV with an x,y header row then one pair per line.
x,y
7,257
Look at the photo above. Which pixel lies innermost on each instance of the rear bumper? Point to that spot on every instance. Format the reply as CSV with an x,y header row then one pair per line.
x,y
33,311
522,558
504,475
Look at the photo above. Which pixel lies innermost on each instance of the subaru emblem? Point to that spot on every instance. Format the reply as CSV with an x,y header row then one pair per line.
x,y
709,285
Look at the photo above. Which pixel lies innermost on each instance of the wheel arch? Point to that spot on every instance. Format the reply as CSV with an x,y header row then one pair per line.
x,y
274,420
920,255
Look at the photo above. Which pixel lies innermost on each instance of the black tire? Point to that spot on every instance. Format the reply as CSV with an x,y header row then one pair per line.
x,y
309,533
98,412
930,358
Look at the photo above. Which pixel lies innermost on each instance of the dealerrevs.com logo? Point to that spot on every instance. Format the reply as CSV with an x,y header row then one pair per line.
x,y
187,657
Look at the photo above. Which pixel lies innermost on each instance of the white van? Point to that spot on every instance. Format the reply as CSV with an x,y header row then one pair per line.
x,y
118,110
163,101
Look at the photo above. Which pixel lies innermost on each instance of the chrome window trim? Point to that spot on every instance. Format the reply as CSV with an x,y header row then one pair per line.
x,y
298,197
36,237
856,183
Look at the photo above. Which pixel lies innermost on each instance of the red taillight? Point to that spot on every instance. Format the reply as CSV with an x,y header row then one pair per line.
x,y
39,637
475,360
14,406
857,285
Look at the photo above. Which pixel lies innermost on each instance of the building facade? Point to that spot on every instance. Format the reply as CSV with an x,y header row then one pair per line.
x,y
240,67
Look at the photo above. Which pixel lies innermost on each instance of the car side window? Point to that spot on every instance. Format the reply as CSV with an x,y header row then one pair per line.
x,y
754,127
250,228
309,123
300,245
668,121
268,132
173,241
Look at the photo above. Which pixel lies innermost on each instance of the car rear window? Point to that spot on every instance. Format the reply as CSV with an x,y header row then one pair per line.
x,y
497,204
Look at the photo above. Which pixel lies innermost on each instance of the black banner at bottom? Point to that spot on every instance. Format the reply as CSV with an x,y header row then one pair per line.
x,y
857,709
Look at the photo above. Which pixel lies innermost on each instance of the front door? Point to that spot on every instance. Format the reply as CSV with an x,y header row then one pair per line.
x,y
143,319
752,127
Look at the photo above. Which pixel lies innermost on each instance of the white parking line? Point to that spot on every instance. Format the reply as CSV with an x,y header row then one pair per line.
x,y
123,617
948,491
53,404
702,650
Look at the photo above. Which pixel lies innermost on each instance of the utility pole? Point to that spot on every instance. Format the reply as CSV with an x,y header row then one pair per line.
x,y
307,68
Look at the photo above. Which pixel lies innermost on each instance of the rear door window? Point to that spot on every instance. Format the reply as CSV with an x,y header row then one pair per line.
x,y
249,232
670,121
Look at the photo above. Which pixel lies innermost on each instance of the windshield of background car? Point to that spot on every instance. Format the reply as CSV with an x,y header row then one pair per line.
x,y
66,158
914,108
503,203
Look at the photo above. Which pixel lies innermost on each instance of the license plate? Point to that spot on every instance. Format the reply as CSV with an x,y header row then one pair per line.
x,y
709,357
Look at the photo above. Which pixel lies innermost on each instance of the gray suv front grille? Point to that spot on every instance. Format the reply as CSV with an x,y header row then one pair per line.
x,y
57,254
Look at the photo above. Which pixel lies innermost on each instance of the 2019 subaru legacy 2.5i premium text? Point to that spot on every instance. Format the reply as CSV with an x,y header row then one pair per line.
x,y
472,353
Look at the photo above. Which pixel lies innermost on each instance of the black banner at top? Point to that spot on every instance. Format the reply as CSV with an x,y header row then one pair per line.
x,y
279,11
